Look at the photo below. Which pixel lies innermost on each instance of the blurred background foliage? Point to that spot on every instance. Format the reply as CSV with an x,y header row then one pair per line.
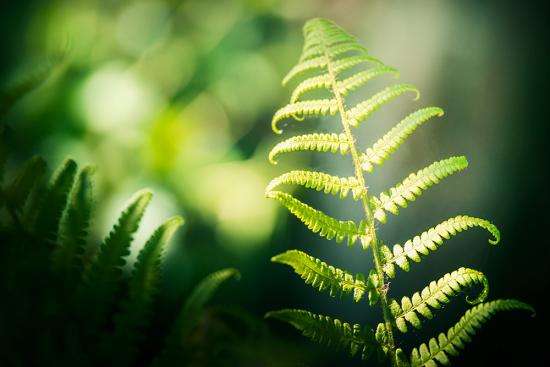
x,y
177,96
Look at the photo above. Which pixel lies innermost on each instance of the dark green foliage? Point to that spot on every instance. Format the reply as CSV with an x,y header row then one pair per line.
x,y
65,307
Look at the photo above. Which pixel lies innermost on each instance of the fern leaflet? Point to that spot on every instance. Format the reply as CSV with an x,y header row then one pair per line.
x,y
412,186
333,332
314,142
430,240
319,222
321,182
465,328
435,294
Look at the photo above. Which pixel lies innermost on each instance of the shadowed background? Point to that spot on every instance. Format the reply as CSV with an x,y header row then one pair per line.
x,y
178,96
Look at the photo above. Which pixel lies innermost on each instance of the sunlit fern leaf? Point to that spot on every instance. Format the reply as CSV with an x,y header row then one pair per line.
x,y
345,86
188,315
348,62
435,294
53,201
321,182
142,288
101,279
306,65
386,145
340,48
298,110
331,66
332,332
432,238
319,222
322,276
363,77
28,177
312,142
73,231
364,109
413,185
449,344
316,82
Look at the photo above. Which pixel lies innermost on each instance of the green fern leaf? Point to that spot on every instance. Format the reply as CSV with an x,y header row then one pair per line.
x,y
188,315
413,186
312,142
54,201
437,350
306,65
142,288
316,82
66,258
325,330
359,79
341,65
102,277
385,146
25,181
298,109
321,182
436,294
322,276
319,222
366,108
431,239
334,50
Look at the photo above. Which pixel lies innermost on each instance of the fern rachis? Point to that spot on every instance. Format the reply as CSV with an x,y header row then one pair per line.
x,y
328,52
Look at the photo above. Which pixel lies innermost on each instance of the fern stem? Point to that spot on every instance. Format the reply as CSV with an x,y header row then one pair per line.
x,y
371,231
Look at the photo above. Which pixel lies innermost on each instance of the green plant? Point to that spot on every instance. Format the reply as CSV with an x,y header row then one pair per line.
x,y
334,61
71,304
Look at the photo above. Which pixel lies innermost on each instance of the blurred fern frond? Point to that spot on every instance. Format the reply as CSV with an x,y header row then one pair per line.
x,y
85,310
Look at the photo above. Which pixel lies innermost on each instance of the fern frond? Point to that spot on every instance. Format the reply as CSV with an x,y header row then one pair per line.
x,y
319,222
54,201
435,294
413,186
142,288
364,109
431,239
363,77
313,142
101,278
28,177
189,313
74,227
322,276
386,145
299,109
332,332
438,350
321,182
